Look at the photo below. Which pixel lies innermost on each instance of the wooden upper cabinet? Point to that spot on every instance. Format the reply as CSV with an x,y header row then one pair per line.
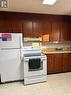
x,y
36,28
5,26
65,32
70,31
16,26
60,31
27,28
46,27
35,25
37,31
11,25
56,29
41,27
2,25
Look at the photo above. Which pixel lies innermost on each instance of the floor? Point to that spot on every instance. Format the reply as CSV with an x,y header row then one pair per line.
x,y
57,84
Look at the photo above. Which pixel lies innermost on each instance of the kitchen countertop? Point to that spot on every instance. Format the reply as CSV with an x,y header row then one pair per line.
x,y
52,52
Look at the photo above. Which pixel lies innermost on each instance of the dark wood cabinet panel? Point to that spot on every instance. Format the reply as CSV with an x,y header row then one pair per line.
x,y
54,63
66,62
50,64
5,26
69,61
46,27
28,28
59,62
65,34
56,29
70,35
60,31
70,31
32,29
41,27
16,26
2,21
37,28
9,25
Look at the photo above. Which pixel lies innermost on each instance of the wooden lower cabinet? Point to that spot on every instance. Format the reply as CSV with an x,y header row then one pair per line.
x,y
66,59
54,63
66,62
50,63
70,62
57,63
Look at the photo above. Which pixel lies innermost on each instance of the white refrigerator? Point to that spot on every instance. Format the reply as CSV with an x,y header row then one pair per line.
x,y
11,66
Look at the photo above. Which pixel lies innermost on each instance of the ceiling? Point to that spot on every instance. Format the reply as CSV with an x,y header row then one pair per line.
x,y
61,7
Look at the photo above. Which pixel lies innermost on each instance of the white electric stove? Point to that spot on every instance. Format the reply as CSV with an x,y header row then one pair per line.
x,y
35,65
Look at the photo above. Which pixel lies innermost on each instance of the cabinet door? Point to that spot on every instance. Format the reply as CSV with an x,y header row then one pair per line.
x,y
41,27
5,26
2,25
37,28
65,62
64,36
46,27
27,29
50,64
69,61
54,63
16,26
55,34
58,63
70,35
70,31
11,25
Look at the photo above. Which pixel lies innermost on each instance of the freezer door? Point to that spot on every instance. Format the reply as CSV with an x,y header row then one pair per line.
x,y
11,66
10,40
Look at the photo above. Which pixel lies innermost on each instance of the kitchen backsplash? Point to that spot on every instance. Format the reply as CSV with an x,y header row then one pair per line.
x,y
53,45
49,45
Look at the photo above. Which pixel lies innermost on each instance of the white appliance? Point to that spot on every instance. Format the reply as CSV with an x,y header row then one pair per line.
x,y
35,65
11,67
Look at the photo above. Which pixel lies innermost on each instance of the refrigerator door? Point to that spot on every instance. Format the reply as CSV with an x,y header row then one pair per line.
x,y
0,63
10,40
0,42
11,66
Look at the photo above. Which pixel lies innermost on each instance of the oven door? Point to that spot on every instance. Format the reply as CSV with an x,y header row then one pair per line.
x,y
35,65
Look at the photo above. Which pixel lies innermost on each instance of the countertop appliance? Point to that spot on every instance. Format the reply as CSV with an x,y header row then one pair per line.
x,y
35,65
11,68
